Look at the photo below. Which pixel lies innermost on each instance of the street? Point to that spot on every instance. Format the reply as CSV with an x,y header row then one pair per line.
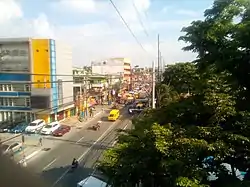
x,y
86,145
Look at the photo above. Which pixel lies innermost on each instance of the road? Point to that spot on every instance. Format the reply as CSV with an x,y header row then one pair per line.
x,y
86,145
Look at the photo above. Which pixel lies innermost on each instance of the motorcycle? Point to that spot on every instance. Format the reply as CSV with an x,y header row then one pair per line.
x,y
97,126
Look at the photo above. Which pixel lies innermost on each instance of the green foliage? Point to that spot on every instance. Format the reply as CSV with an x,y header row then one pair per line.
x,y
203,110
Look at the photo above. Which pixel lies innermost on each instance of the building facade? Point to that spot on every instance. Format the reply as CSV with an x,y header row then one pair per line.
x,y
35,79
126,68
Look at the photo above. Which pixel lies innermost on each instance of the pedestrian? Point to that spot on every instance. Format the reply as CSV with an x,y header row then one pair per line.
x,y
40,141
23,139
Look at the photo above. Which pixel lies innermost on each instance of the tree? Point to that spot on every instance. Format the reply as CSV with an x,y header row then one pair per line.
x,y
181,77
222,42
222,45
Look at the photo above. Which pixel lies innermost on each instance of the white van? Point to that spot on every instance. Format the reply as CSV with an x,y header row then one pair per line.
x,y
35,126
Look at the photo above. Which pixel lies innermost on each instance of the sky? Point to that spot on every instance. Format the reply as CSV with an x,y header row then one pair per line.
x,y
95,31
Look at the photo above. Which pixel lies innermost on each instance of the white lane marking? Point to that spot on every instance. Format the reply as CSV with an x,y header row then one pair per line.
x,y
49,164
125,127
79,159
80,140
113,144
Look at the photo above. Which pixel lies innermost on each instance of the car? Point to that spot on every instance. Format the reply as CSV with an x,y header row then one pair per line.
x,y
5,126
12,148
19,128
50,128
35,126
63,129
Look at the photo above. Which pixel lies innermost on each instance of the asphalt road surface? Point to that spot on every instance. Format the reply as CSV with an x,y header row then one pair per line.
x,y
86,145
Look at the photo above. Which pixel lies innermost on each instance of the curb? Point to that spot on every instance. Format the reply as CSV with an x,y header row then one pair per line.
x,y
8,139
29,156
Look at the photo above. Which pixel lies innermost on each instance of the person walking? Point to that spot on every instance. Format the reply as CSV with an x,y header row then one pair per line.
x,y
23,139
41,141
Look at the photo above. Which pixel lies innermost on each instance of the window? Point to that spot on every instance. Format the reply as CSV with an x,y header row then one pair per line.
x,y
27,88
60,91
15,52
27,102
1,87
23,53
1,101
13,145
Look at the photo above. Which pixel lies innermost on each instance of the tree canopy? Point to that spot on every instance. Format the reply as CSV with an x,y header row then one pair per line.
x,y
202,124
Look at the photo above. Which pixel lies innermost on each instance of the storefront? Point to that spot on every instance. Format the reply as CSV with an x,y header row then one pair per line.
x,y
52,118
73,111
60,115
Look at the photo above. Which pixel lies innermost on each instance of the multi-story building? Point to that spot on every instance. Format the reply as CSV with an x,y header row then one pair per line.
x,y
35,79
112,69
126,68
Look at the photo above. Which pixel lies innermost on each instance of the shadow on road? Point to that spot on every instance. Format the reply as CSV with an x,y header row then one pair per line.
x,y
71,178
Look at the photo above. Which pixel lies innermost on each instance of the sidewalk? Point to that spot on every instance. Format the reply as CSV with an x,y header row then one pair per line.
x,y
74,122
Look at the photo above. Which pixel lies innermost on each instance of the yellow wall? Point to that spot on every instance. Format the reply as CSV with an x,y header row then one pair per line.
x,y
41,62
44,117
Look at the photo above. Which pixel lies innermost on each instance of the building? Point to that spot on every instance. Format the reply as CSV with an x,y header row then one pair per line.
x,y
35,80
116,68
126,69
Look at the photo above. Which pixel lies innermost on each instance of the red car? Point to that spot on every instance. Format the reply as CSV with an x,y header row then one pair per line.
x,y
63,129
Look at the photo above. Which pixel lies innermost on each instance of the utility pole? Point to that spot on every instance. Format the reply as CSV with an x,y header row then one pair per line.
x,y
153,85
158,57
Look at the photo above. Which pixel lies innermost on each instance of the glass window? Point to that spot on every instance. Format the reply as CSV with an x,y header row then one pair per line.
x,y
23,53
14,52
53,54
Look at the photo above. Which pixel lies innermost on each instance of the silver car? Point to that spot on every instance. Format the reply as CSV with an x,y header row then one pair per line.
x,y
12,148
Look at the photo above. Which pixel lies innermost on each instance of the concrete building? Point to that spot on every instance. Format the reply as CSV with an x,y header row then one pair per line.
x,y
35,80
115,68
126,68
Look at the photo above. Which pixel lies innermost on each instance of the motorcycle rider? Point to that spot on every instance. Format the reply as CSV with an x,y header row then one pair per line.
x,y
74,163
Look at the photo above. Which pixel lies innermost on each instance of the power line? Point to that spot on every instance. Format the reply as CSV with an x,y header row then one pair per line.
x,y
62,75
33,82
126,24
139,18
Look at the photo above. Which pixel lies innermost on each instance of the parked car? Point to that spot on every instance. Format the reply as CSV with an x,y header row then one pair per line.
x,y
50,128
12,148
19,128
5,126
35,126
63,129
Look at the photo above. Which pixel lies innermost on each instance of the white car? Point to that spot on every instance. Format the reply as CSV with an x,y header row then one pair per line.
x,y
50,128
35,126
12,148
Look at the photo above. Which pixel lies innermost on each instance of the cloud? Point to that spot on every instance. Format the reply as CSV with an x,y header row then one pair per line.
x,y
9,10
96,40
86,6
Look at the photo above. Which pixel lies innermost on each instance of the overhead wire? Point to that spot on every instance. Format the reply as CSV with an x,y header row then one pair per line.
x,y
127,26
139,18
